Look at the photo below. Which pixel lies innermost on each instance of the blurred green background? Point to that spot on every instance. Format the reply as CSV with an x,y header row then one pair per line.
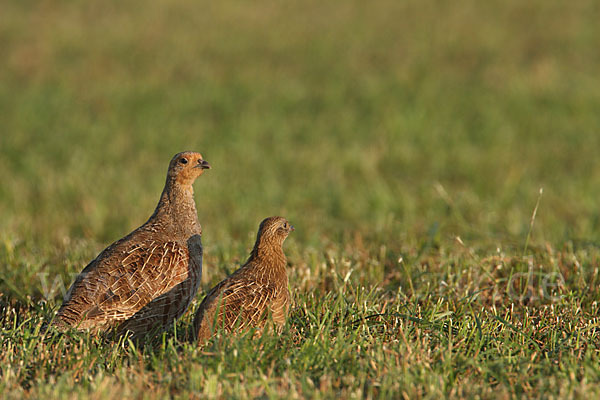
x,y
406,140
395,122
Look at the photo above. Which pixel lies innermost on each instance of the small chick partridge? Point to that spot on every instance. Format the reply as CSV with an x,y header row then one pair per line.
x,y
254,291
148,278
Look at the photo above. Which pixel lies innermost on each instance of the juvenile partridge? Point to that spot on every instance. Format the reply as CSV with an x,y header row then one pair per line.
x,y
147,279
253,292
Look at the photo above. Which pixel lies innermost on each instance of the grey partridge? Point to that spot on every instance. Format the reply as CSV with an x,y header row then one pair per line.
x,y
253,292
147,279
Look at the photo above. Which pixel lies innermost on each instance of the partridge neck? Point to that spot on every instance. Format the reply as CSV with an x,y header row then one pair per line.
x,y
177,209
270,254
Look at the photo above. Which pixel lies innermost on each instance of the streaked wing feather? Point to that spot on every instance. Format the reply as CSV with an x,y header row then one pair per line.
x,y
127,287
245,300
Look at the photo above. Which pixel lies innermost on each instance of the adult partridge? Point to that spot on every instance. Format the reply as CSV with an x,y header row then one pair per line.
x,y
147,279
253,292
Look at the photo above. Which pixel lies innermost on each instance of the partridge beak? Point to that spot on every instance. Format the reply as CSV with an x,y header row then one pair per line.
x,y
292,228
203,164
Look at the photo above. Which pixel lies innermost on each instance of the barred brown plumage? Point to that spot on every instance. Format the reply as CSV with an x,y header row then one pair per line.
x,y
254,291
147,279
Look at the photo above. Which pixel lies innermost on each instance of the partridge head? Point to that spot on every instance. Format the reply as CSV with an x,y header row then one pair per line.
x,y
185,167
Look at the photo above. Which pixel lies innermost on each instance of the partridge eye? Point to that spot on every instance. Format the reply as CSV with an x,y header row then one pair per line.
x,y
285,225
183,161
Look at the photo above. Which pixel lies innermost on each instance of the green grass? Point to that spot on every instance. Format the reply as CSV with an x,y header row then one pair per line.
x,y
407,142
